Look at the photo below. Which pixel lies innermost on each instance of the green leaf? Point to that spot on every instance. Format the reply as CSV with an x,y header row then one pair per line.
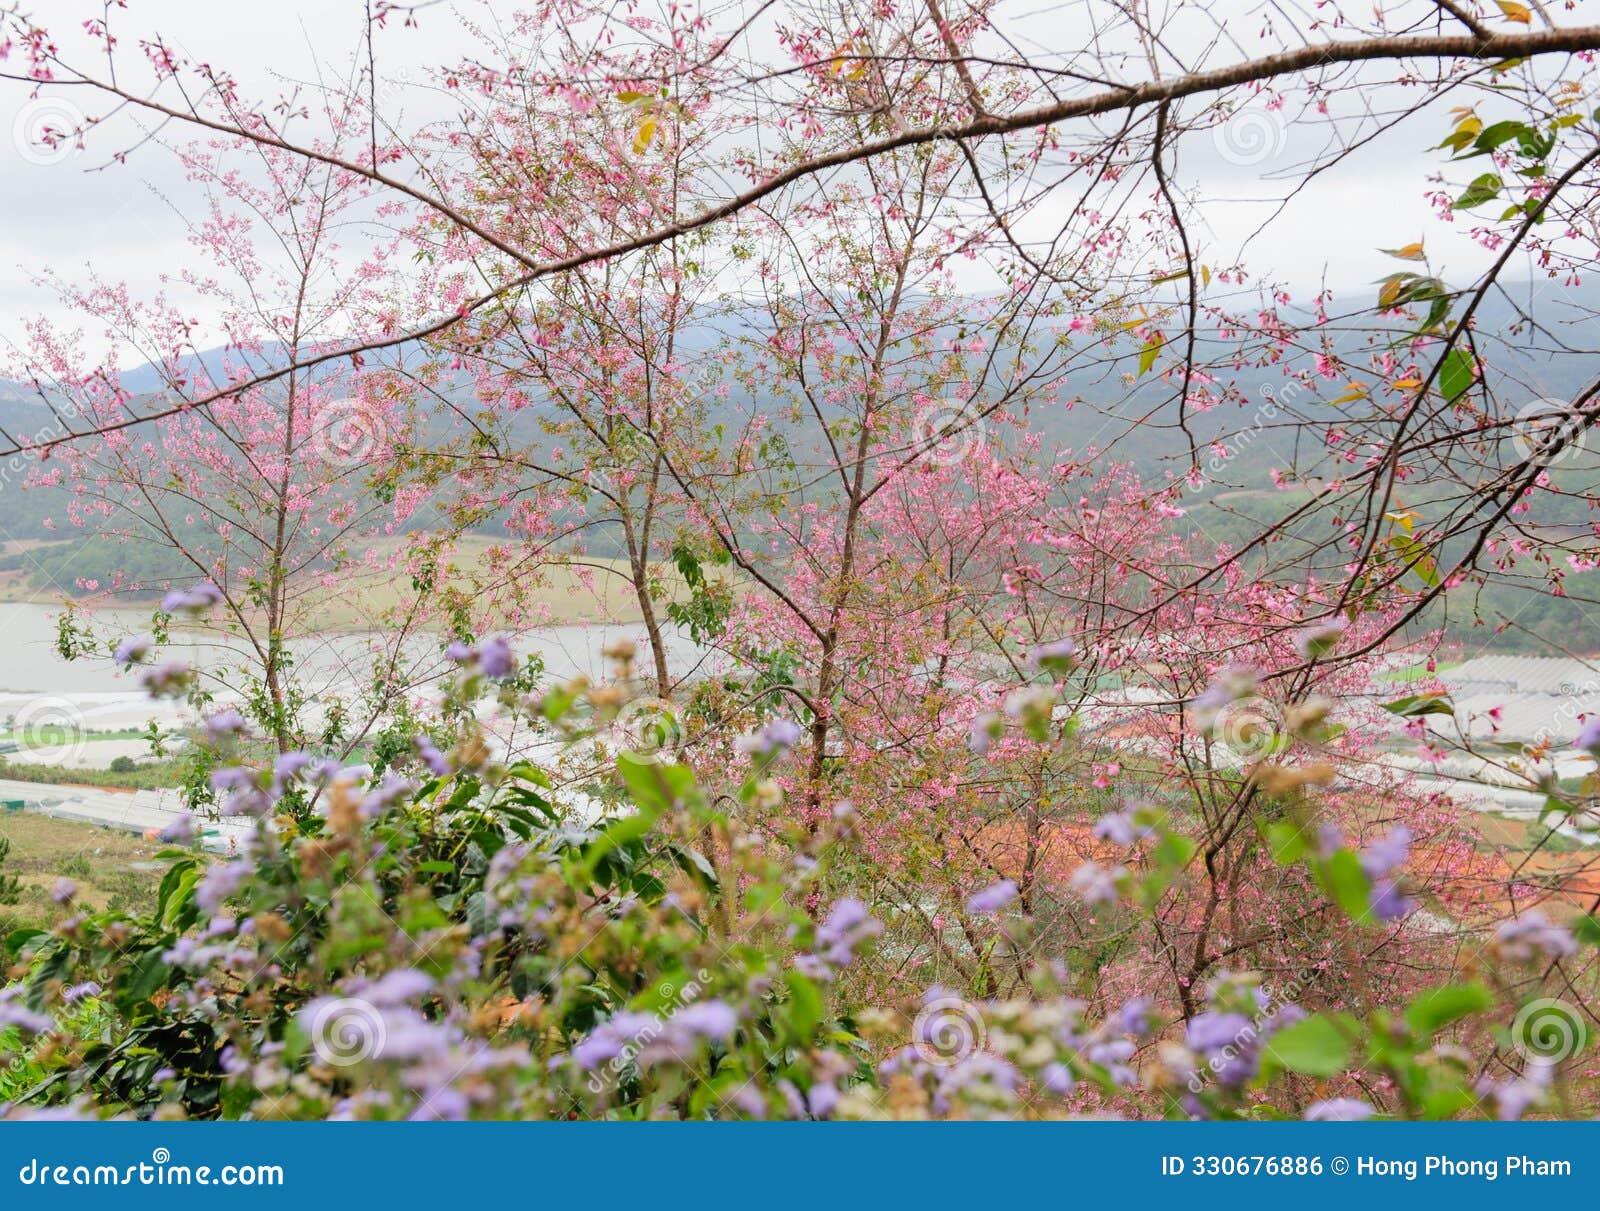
x,y
19,938
1417,705
1287,841
1483,189
654,785
1174,850
1587,930
1438,1007
1346,884
175,907
147,973
1147,355
1316,1047
1455,374
1492,136
805,1005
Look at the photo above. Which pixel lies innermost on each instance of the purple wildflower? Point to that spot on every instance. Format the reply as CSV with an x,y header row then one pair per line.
x,y
397,987
383,798
1228,686
24,1019
1329,839
225,723
1095,884
183,829
612,1037
63,891
848,925
1389,903
496,659
167,679
1057,1078
821,1099
1318,639
432,757
132,650
1134,1017
1226,1041
714,1020
289,766
200,597
992,898
1387,854
1513,1098
1338,1110
1588,737
1119,828
778,736
1532,936
985,730
221,881
1056,657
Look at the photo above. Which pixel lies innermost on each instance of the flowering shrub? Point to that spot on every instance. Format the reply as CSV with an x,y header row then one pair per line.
x,y
440,940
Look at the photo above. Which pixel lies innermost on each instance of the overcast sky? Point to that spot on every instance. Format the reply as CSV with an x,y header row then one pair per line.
x,y
70,212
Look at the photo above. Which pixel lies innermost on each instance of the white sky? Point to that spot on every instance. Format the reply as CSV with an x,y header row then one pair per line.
x,y
79,211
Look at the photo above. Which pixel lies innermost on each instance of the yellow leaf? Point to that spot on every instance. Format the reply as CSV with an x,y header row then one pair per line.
x,y
1205,275
1469,125
1406,384
1411,252
1356,391
646,135
1520,13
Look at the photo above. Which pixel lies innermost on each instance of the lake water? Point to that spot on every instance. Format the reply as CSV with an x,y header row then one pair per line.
x,y
31,670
